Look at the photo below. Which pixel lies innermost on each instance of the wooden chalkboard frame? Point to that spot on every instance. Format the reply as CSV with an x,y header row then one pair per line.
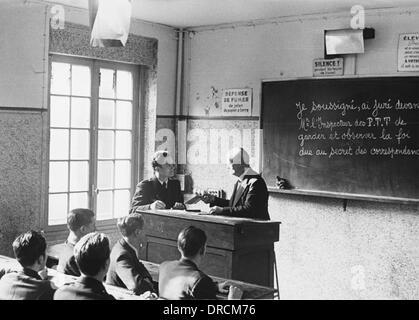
x,y
329,194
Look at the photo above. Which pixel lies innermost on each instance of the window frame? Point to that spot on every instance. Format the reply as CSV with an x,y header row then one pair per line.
x,y
59,231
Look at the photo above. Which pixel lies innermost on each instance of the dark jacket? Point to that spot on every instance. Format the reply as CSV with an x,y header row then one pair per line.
x,y
85,288
126,270
25,285
252,202
71,268
66,262
150,190
182,280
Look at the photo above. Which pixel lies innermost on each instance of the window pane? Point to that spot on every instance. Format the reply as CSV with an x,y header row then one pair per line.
x,y
105,174
58,149
58,176
57,209
80,112
123,115
105,145
80,80
124,84
60,78
59,111
121,203
78,200
123,145
104,205
79,176
80,144
106,88
106,114
122,174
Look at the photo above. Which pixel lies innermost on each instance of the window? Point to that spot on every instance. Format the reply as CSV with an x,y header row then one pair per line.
x,y
92,132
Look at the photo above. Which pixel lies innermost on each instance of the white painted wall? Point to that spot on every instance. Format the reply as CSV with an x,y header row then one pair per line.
x,y
245,55
23,43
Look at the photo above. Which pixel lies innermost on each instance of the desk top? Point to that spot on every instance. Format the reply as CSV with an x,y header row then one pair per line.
x,y
202,216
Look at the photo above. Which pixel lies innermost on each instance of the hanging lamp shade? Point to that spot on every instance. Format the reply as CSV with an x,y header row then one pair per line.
x,y
110,22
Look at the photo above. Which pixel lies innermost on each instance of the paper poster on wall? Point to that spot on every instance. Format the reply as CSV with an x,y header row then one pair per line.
x,y
408,52
327,67
236,102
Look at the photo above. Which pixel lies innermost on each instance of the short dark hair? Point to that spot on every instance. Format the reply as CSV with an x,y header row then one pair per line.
x,y
79,217
91,253
28,247
191,240
128,224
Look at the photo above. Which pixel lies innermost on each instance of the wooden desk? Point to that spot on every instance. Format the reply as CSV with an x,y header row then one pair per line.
x,y
237,248
250,291
8,264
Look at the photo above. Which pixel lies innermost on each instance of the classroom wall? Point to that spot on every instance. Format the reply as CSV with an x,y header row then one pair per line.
x,y
369,251
23,119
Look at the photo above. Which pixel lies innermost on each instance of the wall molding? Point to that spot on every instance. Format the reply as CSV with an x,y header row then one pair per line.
x,y
219,118
74,40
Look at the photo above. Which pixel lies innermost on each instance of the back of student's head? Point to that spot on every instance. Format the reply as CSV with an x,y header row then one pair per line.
x,y
191,241
28,247
79,217
128,224
92,253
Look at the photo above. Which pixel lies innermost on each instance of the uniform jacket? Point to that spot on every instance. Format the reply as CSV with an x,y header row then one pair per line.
x,y
182,280
150,190
127,271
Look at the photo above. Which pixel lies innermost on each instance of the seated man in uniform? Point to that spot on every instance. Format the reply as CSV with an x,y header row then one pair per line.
x,y
182,279
31,282
250,194
92,253
79,223
125,269
160,191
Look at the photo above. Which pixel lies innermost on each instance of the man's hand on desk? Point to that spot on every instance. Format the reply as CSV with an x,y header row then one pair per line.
x,y
179,206
216,210
148,295
234,293
158,204
43,273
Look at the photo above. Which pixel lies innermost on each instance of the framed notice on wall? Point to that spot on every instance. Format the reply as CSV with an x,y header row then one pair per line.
x,y
236,102
408,53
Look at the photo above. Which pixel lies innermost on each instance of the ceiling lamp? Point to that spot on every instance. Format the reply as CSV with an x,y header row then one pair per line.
x,y
110,22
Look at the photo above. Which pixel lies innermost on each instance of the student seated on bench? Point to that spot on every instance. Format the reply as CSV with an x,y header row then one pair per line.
x,y
92,256
79,223
30,283
125,269
182,279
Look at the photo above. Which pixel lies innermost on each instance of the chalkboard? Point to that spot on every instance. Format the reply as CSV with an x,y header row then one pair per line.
x,y
350,135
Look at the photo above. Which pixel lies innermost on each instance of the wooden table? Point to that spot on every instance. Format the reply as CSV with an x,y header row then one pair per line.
x,y
237,248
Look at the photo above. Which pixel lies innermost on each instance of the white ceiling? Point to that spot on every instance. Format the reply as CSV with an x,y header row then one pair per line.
x,y
193,13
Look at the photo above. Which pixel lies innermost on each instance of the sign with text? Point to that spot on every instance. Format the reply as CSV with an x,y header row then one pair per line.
x,y
327,67
408,52
236,102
